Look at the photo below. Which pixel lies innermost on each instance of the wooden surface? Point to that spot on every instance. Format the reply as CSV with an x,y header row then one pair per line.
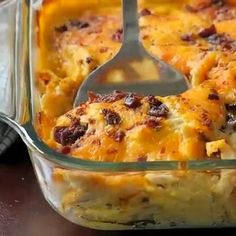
x,y
24,212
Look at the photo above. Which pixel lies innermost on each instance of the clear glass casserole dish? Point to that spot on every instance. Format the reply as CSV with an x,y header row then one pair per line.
x,y
113,195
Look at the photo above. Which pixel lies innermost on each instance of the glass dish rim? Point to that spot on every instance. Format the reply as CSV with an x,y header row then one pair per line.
x,y
36,145
30,137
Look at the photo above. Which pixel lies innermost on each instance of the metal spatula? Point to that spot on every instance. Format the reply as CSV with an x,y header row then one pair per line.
x,y
142,72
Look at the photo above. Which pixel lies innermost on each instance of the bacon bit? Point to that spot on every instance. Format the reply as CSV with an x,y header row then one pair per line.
x,y
118,35
231,107
231,121
79,24
225,13
207,32
157,108
213,96
109,98
163,150
45,77
96,142
142,159
93,98
189,37
153,101
216,155
132,101
145,12
145,37
103,49
160,111
112,151
61,29
205,120
153,123
94,68
89,60
67,135
65,150
80,111
222,40
111,117
119,136
218,3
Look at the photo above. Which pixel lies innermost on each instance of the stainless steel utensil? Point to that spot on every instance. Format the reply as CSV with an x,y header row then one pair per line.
x,y
129,62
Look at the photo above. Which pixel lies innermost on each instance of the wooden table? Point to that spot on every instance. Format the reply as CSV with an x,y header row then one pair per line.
x,y
24,211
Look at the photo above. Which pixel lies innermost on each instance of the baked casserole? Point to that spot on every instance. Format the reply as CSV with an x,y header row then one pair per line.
x,y
196,37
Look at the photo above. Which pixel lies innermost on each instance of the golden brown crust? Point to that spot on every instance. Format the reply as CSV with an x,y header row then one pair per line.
x,y
198,124
158,128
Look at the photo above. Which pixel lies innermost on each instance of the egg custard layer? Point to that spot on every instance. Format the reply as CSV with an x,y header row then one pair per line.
x,y
196,37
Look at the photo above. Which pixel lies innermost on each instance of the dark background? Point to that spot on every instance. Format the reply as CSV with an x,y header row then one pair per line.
x,y
24,212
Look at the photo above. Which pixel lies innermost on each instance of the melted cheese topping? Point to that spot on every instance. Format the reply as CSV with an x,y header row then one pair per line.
x,y
196,37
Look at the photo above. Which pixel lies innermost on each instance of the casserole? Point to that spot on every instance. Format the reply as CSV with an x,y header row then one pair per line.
x,y
192,184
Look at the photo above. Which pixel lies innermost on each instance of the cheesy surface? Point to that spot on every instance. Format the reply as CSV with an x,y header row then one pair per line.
x,y
196,37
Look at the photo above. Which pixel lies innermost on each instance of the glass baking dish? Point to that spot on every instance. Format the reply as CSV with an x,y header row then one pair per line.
x,y
106,195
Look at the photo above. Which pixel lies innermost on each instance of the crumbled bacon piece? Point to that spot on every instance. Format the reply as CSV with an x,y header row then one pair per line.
x,y
231,121
119,136
111,117
204,33
117,36
153,101
222,40
225,13
79,24
67,135
160,111
216,155
109,98
153,123
89,60
45,77
103,49
145,12
206,120
157,108
231,107
65,150
132,101
61,29
189,37
218,3
213,96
